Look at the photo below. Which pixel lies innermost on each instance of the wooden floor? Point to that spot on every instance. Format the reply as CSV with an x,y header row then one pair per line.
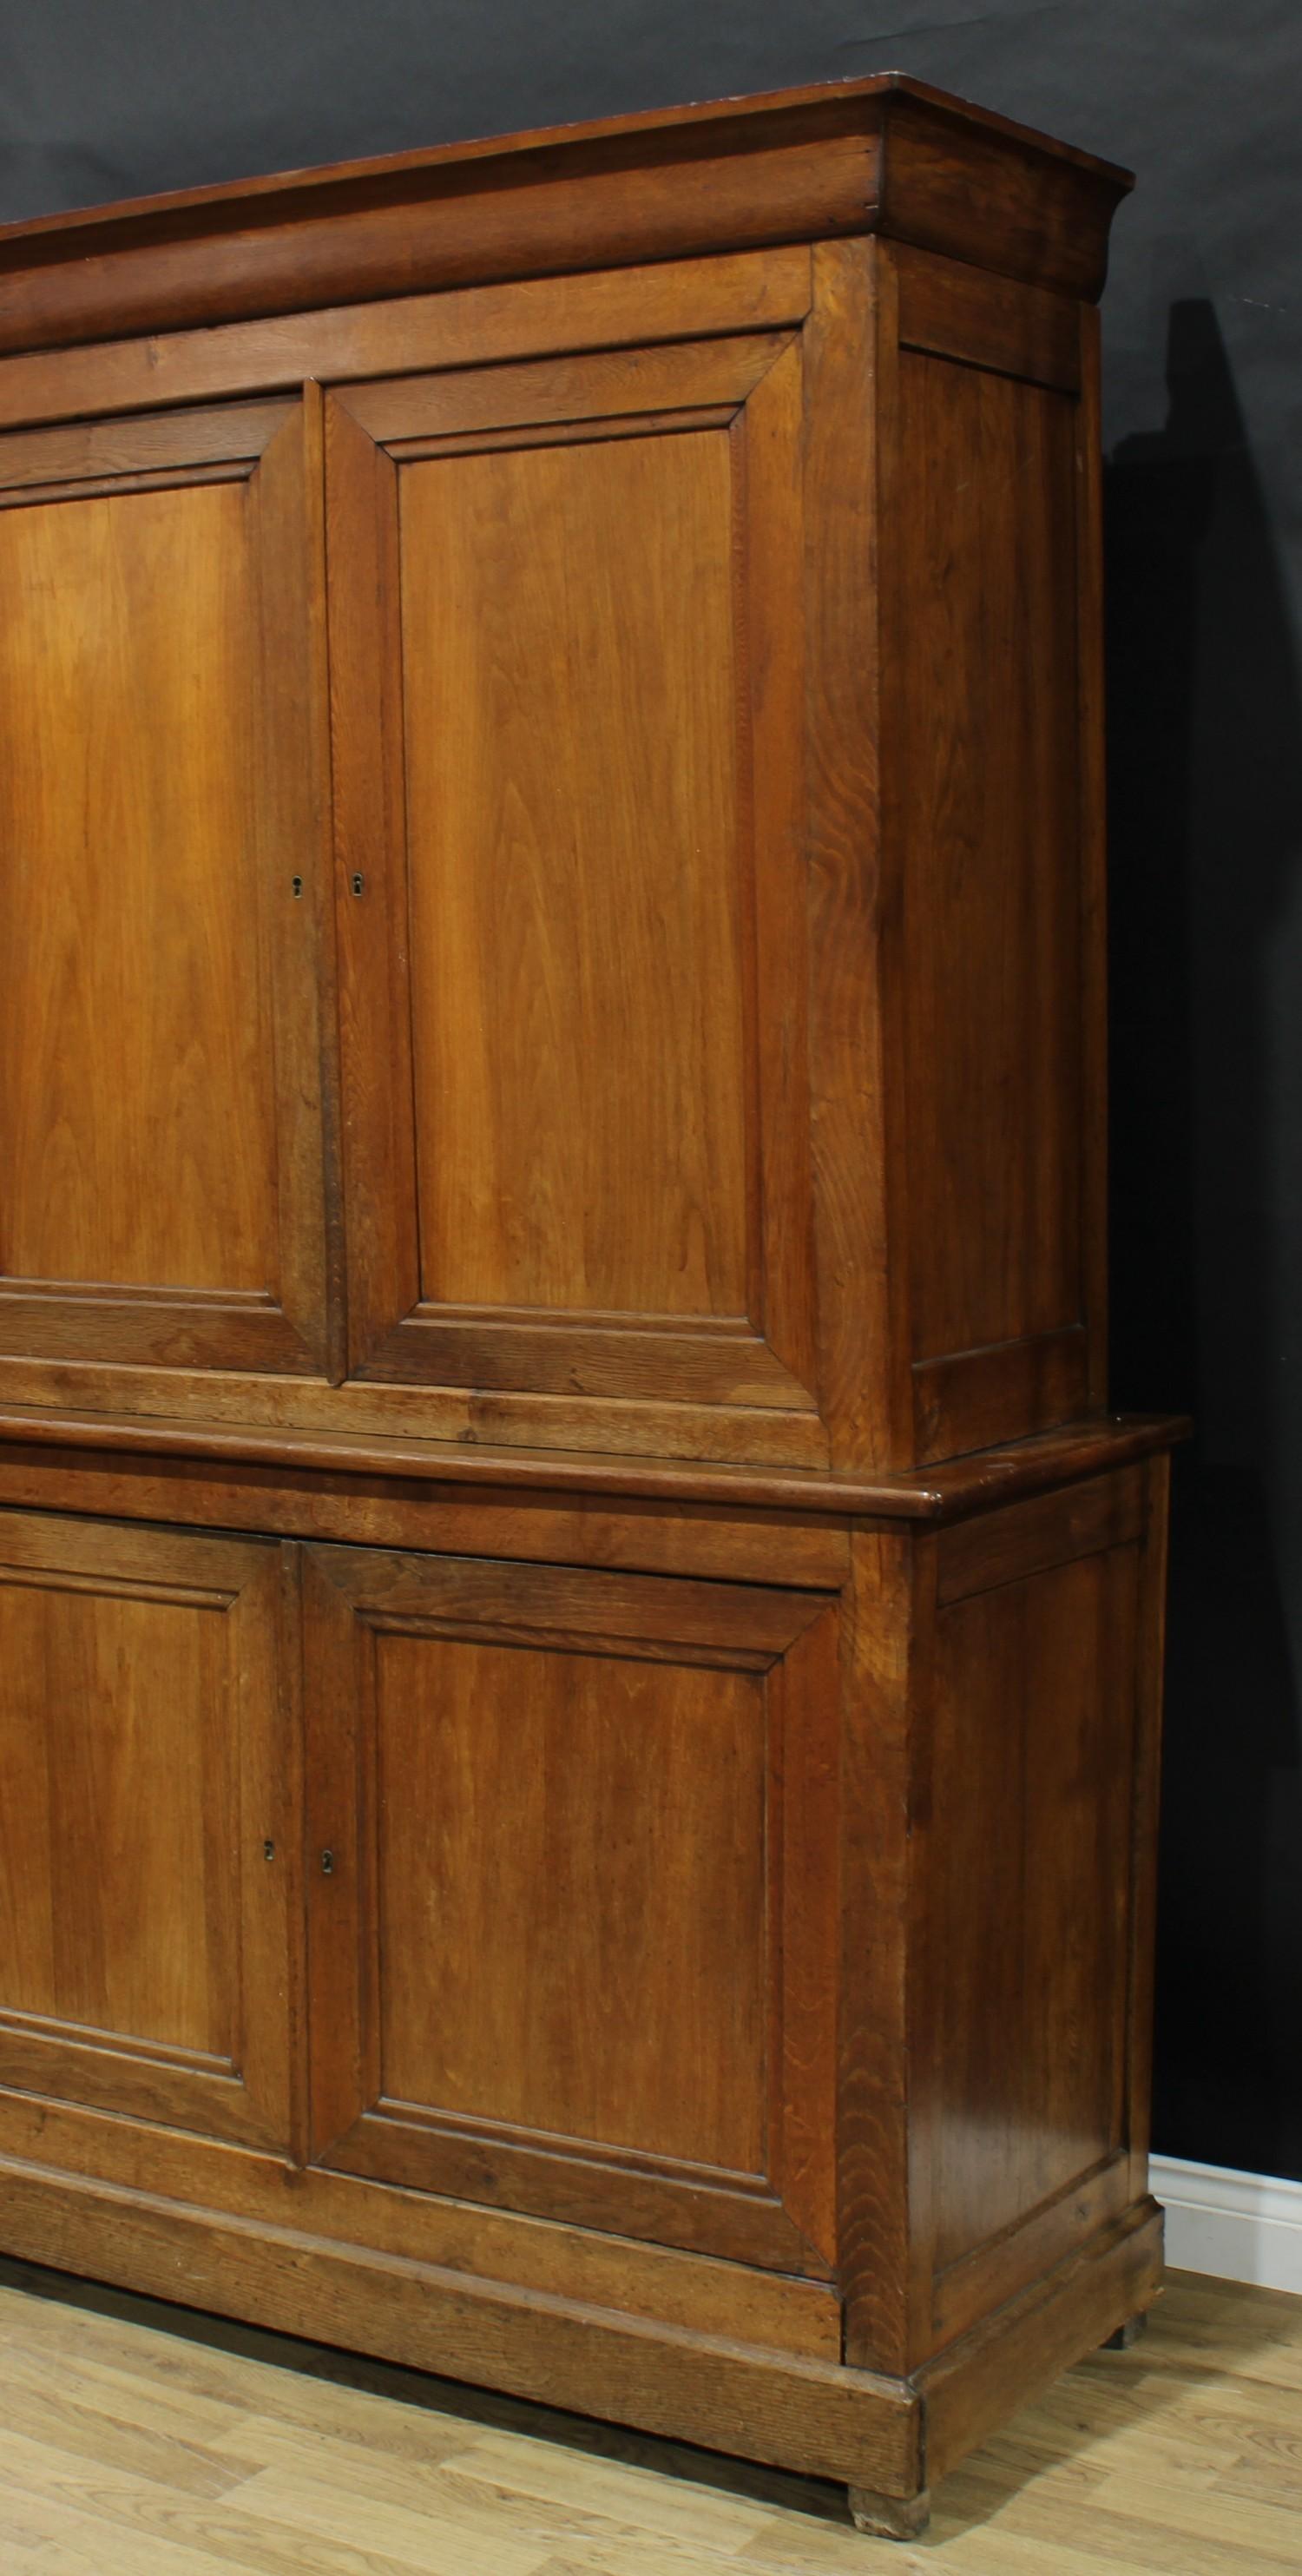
x,y
138,2441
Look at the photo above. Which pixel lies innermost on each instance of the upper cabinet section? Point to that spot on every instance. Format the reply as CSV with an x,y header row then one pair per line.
x,y
160,1158
550,829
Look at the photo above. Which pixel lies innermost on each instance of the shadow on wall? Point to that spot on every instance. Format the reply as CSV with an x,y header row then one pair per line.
x,y
1205,817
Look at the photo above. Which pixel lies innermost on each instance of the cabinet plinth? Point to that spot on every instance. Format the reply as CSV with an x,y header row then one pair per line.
x,y
579,1655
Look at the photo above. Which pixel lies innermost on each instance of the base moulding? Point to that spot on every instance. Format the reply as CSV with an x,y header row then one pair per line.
x,y
891,2437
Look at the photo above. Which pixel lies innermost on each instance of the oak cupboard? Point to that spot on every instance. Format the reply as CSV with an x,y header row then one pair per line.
x,y
579,1652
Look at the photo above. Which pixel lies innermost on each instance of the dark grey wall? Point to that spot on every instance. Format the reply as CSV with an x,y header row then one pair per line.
x,y
1203,331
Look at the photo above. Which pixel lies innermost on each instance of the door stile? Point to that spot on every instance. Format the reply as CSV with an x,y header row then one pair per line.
x,y
370,845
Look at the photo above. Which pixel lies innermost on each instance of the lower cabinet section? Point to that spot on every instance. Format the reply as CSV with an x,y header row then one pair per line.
x,y
717,2004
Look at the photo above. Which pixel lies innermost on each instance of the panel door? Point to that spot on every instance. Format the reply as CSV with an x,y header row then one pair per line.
x,y
566,615
161,1182
145,1825
572,1914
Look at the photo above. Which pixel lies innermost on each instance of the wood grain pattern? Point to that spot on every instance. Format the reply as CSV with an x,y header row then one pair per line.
x,y
772,535
804,1926
850,156
854,907
472,1593
114,1813
410,413
672,300
97,451
160,1101
139,1734
1042,233
197,1403
645,1538
565,874
971,1398
799,2412
987,321
1008,1546
368,816
296,936
621,1726
967,2387
661,2284
1030,1797
576,1239
128,906
886,1633
341,1442
1058,2229
986,532
484,1824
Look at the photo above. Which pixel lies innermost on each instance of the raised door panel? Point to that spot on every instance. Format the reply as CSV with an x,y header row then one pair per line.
x,y
572,1929
566,677
576,943
161,1158
145,1827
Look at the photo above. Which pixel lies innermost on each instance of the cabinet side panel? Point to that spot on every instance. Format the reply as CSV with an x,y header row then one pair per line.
x,y
987,797
135,1119
1032,1784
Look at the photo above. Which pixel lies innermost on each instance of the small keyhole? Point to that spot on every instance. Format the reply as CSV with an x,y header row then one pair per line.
x,y
297,884
268,1851
359,883
327,1864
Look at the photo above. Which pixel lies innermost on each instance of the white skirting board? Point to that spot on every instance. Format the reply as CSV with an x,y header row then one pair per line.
x,y
1237,2226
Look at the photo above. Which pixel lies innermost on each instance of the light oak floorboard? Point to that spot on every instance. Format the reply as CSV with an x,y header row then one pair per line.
x,y
137,2440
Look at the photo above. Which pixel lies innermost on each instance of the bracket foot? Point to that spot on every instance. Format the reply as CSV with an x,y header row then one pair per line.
x,y
1125,2335
890,2517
